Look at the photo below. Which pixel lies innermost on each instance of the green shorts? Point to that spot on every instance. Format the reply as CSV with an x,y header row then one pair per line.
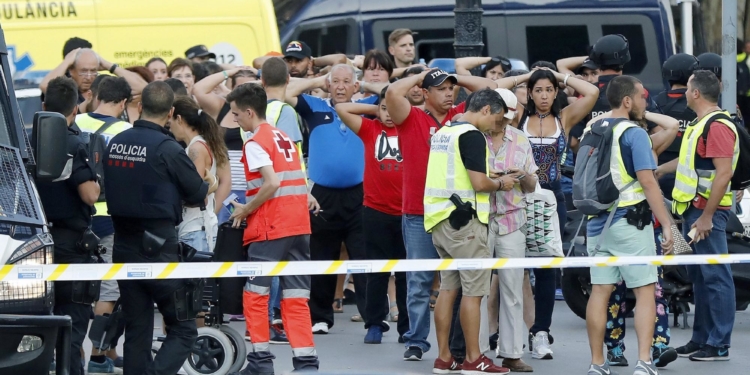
x,y
623,239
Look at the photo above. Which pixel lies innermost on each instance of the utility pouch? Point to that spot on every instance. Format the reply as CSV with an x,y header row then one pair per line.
x,y
639,215
188,300
86,292
463,213
152,245
185,252
88,243
105,327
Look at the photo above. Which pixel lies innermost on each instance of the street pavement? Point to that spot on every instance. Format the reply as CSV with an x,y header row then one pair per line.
x,y
343,351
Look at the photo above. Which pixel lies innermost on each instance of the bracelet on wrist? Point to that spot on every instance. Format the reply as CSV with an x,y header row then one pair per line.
x,y
226,75
565,81
113,68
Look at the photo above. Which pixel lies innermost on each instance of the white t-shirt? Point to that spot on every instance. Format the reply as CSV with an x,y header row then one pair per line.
x,y
256,157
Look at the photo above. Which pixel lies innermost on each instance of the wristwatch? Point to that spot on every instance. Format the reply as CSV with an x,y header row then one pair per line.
x,y
112,68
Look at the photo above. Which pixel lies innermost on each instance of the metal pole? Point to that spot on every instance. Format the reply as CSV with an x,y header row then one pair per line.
x,y
729,55
468,31
687,25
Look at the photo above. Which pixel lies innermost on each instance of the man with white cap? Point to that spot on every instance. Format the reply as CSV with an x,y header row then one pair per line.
x,y
512,159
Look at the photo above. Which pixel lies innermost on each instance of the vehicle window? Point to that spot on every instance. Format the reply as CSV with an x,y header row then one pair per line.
x,y
326,40
551,43
634,34
435,43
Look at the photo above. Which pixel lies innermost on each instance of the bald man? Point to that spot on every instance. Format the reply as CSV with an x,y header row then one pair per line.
x,y
83,65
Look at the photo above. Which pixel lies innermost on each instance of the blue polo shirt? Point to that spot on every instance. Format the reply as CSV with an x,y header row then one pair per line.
x,y
335,154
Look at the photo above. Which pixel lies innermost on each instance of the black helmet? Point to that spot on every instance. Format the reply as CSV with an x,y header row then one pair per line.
x,y
679,67
711,62
610,50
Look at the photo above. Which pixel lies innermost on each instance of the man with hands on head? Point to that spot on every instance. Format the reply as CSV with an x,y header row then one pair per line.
x,y
83,65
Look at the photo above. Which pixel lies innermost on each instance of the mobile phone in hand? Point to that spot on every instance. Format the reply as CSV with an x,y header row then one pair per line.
x,y
228,202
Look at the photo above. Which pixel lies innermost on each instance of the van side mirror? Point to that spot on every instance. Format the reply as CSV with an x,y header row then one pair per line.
x,y
49,138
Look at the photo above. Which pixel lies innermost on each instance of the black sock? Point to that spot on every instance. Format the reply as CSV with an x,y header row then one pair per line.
x,y
98,358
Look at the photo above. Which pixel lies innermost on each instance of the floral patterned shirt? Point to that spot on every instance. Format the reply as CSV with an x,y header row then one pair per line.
x,y
508,208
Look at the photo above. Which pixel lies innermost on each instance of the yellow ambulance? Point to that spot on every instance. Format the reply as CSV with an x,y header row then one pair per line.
x,y
130,32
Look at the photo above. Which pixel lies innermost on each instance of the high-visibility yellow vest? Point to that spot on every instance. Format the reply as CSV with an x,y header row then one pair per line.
x,y
446,175
634,193
691,182
90,125
273,112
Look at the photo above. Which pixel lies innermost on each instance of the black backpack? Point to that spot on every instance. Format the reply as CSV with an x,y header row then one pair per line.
x,y
97,146
741,176
594,191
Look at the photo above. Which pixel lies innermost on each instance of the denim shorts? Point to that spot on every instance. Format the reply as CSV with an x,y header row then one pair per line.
x,y
196,239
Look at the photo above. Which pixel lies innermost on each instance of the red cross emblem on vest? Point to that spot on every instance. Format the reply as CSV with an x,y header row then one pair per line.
x,y
284,145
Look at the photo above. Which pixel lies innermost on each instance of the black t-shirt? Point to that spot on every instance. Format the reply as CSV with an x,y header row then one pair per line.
x,y
473,148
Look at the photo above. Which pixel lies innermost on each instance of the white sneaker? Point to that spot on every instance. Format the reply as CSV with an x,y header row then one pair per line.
x,y
320,328
541,346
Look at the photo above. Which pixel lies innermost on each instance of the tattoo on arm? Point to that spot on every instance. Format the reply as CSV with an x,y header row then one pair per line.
x,y
192,154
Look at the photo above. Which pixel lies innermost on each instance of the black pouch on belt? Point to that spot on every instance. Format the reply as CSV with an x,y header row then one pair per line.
x,y
188,300
639,215
152,244
88,243
463,213
86,291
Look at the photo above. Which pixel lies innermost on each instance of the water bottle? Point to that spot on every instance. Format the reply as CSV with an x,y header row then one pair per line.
x,y
421,61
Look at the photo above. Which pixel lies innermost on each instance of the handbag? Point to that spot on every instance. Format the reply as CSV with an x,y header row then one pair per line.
x,y
680,246
543,235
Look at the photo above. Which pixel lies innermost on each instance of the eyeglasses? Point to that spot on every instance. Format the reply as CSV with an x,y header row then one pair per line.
x,y
88,73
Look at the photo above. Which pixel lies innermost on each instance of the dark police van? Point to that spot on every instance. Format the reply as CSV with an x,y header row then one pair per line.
x,y
528,30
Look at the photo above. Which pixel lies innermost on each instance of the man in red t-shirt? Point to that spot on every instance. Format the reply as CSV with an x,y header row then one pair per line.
x,y
415,127
707,213
382,211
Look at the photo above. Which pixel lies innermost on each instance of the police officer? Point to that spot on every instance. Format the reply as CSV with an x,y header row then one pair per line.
x,y
68,204
676,70
147,177
611,53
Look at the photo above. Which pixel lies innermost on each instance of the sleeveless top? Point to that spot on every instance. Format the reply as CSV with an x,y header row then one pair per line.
x,y
193,218
548,152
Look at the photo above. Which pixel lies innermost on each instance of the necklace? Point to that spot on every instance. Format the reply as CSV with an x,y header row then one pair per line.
x,y
541,122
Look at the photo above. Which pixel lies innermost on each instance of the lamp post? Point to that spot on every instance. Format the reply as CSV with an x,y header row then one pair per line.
x,y
468,36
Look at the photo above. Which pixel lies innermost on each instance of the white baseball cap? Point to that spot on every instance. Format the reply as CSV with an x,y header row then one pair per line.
x,y
510,100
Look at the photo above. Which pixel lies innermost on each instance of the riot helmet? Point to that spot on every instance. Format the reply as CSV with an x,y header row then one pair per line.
x,y
610,51
678,68
711,62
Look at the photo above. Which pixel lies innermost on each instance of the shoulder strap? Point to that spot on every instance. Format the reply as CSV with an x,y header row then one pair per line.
x,y
609,219
207,149
439,125
223,113
712,119
107,123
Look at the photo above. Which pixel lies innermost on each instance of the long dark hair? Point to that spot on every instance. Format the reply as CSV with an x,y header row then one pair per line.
x,y
536,77
205,125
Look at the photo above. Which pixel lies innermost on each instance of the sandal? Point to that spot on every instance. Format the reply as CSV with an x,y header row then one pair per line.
x,y
393,312
338,305
433,299
357,318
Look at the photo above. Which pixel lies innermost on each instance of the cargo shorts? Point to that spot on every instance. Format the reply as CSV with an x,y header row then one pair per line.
x,y
469,242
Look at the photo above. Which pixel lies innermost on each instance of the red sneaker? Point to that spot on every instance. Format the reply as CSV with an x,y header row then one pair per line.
x,y
443,367
482,365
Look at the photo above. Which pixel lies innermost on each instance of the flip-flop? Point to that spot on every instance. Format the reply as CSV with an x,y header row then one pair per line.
x,y
393,312
338,305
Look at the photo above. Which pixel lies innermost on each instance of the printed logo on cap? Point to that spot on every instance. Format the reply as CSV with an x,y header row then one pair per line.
x,y
294,46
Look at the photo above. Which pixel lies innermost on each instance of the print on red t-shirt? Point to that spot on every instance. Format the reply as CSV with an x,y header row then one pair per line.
x,y
383,167
720,144
414,137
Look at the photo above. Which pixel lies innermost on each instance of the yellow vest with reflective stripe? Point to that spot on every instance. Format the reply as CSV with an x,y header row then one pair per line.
x,y
691,182
446,175
633,194
90,125
273,112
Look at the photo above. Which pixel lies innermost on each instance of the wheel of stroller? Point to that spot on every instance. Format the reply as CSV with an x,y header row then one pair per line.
x,y
211,354
240,350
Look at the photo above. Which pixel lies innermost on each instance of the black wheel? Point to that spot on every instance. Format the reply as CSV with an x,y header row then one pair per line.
x,y
576,291
212,353
240,350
